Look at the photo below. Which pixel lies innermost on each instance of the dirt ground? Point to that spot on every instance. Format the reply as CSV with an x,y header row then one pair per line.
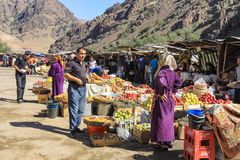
x,y
27,134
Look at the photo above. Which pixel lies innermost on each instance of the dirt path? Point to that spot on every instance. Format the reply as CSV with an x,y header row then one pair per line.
x,y
27,134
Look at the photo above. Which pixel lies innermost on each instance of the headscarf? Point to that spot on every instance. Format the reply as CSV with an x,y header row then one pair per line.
x,y
171,62
58,58
166,60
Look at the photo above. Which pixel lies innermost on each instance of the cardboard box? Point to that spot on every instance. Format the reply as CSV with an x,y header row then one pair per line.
x,y
47,85
64,110
181,131
137,111
42,98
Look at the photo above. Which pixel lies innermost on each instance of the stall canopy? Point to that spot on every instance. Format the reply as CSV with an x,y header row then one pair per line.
x,y
39,54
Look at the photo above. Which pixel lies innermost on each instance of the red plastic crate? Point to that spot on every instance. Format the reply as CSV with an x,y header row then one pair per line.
x,y
198,154
199,139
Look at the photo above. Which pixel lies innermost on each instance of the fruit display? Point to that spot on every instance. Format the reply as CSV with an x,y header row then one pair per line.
x,y
102,99
221,101
207,98
38,84
147,105
143,127
98,120
49,80
97,82
145,88
190,99
117,84
178,100
130,88
106,76
129,97
120,115
186,89
124,104
95,76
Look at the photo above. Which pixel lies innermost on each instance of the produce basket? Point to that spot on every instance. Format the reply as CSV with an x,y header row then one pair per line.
x,y
142,134
99,120
99,140
102,99
97,129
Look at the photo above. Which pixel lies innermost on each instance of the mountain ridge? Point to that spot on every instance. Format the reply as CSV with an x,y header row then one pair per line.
x,y
137,22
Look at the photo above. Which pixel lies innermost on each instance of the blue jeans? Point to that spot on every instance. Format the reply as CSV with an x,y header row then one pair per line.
x,y
21,82
76,104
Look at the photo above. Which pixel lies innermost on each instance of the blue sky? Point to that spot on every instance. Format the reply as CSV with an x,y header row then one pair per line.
x,y
88,9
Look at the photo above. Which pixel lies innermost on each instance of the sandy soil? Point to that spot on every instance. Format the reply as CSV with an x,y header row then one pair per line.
x,y
27,134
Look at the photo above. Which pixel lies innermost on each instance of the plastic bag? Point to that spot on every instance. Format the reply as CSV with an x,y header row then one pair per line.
x,y
124,134
200,82
145,117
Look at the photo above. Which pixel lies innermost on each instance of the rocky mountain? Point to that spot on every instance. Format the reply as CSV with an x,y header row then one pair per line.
x,y
137,22
34,24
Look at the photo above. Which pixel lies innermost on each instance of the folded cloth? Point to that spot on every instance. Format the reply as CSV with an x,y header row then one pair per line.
x,y
226,123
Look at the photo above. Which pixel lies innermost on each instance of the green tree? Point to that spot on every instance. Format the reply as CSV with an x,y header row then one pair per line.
x,y
4,47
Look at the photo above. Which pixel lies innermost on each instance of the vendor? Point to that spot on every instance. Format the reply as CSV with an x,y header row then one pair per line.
x,y
237,90
210,69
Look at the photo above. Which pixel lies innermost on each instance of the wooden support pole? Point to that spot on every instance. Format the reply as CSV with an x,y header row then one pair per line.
x,y
225,57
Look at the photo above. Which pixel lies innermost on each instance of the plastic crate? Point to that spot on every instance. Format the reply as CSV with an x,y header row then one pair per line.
x,y
198,154
198,138
127,124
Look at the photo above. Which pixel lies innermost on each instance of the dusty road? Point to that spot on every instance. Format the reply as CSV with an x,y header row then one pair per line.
x,y
27,134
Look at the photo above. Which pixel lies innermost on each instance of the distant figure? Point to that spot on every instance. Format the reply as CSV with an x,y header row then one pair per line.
x,y
153,67
21,70
5,60
141,67
237,90
57,73
32,64
92,64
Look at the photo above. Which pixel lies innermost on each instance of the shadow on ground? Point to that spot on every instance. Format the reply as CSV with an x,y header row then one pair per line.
x,y
41,114
158,155
83,137
14,100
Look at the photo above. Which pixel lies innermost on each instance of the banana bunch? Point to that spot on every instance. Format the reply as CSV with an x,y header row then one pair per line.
x,y
97,82
96,77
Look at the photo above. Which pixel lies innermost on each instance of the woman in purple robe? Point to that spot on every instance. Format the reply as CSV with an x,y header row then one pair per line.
x,y
57,73
167,82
